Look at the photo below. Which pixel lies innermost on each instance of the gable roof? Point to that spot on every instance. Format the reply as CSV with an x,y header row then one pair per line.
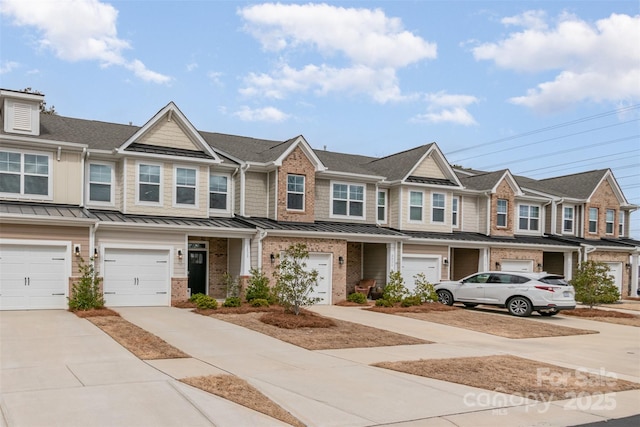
x,y
398,166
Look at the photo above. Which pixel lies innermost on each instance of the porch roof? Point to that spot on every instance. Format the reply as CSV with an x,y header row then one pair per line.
x,y
463,236
44,210
115,217
620,243
323,227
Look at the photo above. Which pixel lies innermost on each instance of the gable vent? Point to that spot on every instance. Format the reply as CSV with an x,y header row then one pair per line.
x,y
22,117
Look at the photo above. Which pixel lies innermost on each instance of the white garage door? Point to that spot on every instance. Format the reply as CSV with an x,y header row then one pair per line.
x,y
321,263
33,277
136,277
413,265
615,271
516,265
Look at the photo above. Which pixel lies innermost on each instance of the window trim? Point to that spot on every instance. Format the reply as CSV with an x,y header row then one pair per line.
x,y
385,206
529,218
22,194
620,223
455,211
227,208
410,205
174,189
112,192
612,222
304,193
160,201
349,201
573,219
443,208
505,213
595,221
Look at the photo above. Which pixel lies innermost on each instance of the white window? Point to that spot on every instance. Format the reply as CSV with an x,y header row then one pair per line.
x,y
529,218
455,211
437,207
101,183
621,224
415,205
610,220
295,192
502,209
568,213
149,179
382,206
25,174
593,220
347,200
185,186
218,192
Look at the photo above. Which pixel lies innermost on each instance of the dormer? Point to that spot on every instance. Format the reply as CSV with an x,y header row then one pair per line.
x,y
20,112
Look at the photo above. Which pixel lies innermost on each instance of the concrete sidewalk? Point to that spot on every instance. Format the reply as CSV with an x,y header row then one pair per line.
x,y
58,369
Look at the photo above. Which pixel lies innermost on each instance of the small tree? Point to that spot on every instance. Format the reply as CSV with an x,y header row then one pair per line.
x,y
594,285
258,287
293,282
86,293
424,290
231,285
395,290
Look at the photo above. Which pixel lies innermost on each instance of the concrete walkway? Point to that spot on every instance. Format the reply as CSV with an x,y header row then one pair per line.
x,y
67,372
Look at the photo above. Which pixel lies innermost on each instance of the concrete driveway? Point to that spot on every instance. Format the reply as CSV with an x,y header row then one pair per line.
x,y
58,369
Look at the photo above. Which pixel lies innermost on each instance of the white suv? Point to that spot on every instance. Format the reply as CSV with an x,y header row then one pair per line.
x,y
520,293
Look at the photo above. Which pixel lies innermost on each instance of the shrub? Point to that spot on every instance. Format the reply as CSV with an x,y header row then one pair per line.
x,y
232,302
294,282
357,297
204,302
382,302
86,294
411,301
395,290
424,290
232,286
594,285
259,302
258,287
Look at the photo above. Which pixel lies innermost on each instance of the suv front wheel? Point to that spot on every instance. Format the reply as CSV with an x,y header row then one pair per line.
x,y
445,297
519,306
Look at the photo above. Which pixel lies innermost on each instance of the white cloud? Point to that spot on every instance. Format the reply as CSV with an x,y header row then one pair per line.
x,y
214,76
595,62
372,45
192,66
78,30
266,114
8,66
443,107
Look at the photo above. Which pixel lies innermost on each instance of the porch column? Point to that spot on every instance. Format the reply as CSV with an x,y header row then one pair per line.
x,y
568,265
245,257
634,274
392,257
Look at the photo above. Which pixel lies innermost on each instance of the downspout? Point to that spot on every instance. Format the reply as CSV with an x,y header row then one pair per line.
x,y
233,199
586,249
85,155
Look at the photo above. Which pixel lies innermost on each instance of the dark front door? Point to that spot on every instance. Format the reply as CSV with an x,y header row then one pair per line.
x,y
198,272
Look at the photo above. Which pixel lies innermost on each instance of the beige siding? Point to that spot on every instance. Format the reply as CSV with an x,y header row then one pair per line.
x,y
394,208
149,240
73,235
168,134
167,208
272,179
374,263
323,202
323,199
428,168
236,193
119,186
426,224
67,178
256,194
471,215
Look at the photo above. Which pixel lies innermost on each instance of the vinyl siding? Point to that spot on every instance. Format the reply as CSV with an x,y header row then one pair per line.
x,y
168,134
428,168
67,178
426,224
255,194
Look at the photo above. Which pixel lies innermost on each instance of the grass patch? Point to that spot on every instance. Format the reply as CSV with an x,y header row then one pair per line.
x,y
241,392
143,344
342,335
609,316
513,375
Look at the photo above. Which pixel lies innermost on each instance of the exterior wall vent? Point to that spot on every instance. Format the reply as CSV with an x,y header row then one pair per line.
x,y
22,117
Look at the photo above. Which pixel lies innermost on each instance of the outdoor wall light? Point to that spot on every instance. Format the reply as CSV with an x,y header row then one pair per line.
x,y
179,253
539,266
272,257
445,261
95,252
76,250
340,260
628,266
497,265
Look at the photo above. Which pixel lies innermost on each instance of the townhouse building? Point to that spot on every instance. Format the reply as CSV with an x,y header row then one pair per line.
x,y
165,210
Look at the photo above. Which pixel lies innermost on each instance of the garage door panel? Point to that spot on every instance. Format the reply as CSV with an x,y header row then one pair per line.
x,y
516,265
412,266
33,277
322,264
136,277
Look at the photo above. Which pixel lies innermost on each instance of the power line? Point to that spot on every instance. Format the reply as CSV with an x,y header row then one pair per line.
x,y
579,161
548,128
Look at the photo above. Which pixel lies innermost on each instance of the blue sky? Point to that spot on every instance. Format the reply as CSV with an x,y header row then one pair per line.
x,y
543,88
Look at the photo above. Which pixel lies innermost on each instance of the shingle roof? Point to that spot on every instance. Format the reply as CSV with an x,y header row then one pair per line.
x,y
340,162
397,166
482,182
245,148
97,135
578,186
